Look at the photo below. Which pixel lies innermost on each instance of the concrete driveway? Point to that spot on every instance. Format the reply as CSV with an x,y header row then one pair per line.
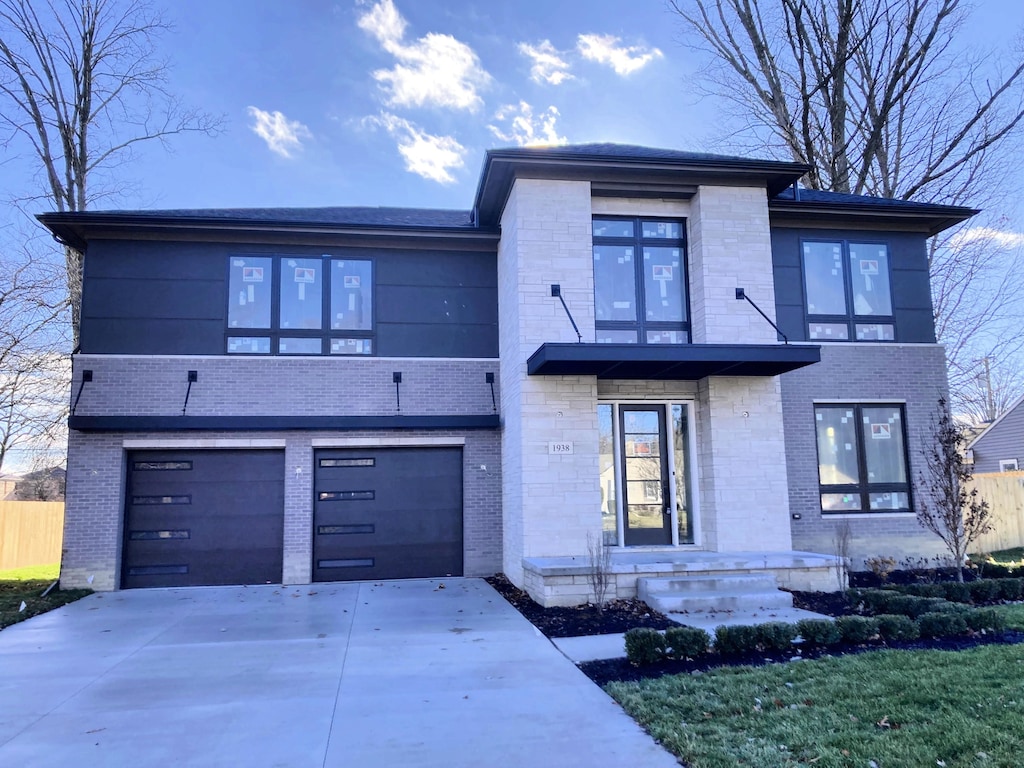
x,y
405,673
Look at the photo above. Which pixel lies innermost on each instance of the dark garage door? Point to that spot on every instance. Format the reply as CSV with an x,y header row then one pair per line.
x,y
203,517
392,513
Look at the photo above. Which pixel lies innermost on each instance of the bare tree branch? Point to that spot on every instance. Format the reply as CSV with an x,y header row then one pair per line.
x,y
80,86
881,98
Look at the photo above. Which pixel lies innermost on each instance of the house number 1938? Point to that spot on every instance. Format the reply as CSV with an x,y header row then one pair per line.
x,y
560,447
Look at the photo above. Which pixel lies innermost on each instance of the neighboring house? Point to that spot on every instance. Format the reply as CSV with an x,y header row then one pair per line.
x,y
360,393
999,447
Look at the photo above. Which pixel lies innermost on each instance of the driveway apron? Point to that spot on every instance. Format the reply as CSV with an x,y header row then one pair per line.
x,y
399,673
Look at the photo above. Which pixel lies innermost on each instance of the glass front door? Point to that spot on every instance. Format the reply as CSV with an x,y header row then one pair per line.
x,y
647,513
647,493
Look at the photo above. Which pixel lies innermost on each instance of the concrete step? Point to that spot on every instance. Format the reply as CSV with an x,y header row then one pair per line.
x,y
736,583
709,594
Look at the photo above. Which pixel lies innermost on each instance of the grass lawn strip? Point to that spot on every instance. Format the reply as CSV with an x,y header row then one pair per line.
x,y
896,708
1012,558
27,585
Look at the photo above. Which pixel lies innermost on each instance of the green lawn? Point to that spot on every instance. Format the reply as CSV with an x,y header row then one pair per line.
x,y
32,573
1013,558
895,708
26,585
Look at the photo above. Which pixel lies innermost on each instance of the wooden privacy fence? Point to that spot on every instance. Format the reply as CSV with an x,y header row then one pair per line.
x,y
31,533
1004,492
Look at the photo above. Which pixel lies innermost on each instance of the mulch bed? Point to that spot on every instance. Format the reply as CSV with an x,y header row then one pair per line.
x,y
622,615
617,616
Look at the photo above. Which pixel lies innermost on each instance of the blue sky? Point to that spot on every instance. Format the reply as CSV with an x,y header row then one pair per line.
x,y
394,102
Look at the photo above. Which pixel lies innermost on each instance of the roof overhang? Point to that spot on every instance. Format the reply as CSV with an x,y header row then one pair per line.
x,y
928,218
622,176
78,228
674,362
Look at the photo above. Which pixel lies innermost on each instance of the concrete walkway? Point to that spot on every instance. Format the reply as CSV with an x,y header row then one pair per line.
x,y
389,674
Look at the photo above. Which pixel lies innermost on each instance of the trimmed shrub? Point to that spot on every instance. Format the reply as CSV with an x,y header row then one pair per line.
x,y
686,642
644,646
1010,589
984,591
776,635
941,624
818,631
857,629
734,641
925,590
957,592
985,618
897,628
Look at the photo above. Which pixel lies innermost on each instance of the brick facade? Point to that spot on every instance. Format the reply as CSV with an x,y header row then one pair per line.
x,y
913,374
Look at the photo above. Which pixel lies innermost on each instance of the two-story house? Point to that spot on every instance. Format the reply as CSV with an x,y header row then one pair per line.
x,y
684,356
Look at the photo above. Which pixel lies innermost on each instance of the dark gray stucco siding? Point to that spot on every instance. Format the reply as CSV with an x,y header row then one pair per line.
x,y
154,298
908,256
1005,440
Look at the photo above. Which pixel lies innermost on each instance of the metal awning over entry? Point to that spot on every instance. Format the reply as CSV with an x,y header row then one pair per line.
x,y
677,362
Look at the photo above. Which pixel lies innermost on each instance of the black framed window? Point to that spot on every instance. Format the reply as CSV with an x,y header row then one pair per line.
x,y
862,458
848,291
640,281
291,305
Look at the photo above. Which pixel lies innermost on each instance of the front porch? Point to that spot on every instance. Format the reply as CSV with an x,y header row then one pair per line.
x,y
565,581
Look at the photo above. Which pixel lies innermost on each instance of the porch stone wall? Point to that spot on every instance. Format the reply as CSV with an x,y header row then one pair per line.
x,y
549,502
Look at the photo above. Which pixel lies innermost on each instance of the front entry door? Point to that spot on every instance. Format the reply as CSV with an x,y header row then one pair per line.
x,y
646,508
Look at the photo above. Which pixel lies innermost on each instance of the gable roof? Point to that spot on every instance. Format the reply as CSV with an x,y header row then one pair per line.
x,y
1017,404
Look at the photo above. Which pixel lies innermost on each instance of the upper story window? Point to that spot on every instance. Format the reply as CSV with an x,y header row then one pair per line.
x,y
640,281
848,291
300,306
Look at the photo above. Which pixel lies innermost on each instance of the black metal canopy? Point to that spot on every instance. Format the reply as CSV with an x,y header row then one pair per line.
x,y
679,362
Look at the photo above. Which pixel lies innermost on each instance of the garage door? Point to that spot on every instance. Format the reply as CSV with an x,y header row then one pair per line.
x,y
387,514
203,518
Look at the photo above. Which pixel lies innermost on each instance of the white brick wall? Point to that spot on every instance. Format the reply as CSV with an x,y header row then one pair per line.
x,y
743,482
549,503
730,248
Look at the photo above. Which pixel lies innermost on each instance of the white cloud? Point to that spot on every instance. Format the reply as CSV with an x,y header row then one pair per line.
x,y
526,130
282,135
425,155
1001,238
548,66
625,60
435,70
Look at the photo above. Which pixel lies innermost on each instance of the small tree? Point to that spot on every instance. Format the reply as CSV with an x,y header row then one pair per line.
x,y
599,574
947,508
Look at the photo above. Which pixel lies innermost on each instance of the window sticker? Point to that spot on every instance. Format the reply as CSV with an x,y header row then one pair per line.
x,y
881,432
661,272
252,274
869,266
352,281
305,275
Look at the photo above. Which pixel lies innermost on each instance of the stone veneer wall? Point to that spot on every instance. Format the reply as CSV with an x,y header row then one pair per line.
x,y
914,374
549,502
740,438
